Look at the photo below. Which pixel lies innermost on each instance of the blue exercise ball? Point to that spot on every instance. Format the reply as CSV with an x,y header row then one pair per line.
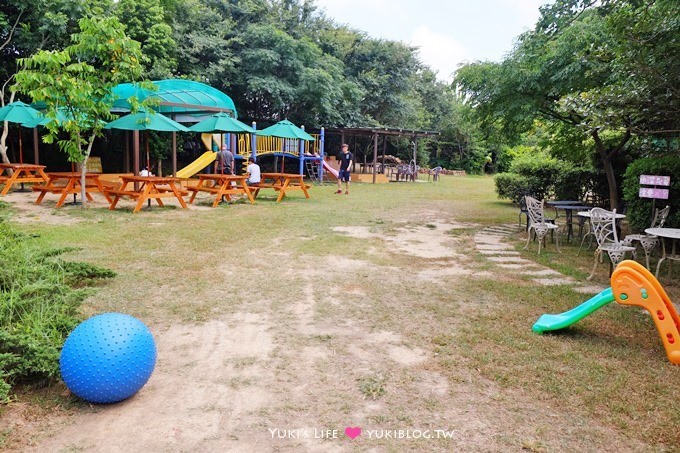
x,y
108,358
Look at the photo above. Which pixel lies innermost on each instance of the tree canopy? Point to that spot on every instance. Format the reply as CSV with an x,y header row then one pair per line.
x,y
602,75
599,78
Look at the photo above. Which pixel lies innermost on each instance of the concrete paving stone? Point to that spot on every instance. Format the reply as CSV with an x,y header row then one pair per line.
x,y
510,259
489,240
498,252
499,231
512,266
554,281
592,289
539,272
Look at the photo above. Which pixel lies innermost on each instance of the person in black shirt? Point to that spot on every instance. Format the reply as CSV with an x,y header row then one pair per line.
x,y
345,164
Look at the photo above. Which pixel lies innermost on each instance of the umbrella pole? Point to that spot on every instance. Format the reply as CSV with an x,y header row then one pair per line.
x,y
36,156
21,160
135,157
21,151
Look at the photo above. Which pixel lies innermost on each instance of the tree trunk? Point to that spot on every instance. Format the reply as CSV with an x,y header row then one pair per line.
x,y
607,156
3,143
5,132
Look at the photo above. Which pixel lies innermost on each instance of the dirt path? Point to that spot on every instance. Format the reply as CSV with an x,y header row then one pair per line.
x,y
331,365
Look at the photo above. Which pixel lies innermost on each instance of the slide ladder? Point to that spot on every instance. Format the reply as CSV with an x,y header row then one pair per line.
x,y
632,284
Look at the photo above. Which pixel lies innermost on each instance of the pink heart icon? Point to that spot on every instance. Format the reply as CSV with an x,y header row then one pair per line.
x,y
353,432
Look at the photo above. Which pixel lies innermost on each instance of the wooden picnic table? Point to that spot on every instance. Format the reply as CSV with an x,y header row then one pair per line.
x,y
68,183
21,173
221,185
282,183
143,188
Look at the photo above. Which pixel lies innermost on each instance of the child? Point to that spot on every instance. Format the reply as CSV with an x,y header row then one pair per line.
x,y
253,172
145,171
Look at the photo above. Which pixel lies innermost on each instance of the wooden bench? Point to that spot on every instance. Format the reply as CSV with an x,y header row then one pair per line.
x,y
221,186
124,193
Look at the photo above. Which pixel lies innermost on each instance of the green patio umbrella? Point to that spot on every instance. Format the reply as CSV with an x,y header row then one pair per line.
x,y
42,120
221,122
18,112
285,129
145,121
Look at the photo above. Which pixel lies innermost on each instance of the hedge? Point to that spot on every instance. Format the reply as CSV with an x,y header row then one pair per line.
x,y
639,213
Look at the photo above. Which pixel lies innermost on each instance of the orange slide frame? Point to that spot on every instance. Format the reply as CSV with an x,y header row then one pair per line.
x,y
633,284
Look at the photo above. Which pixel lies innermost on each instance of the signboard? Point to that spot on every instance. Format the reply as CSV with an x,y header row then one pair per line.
x,y
652,180
94,165
661,194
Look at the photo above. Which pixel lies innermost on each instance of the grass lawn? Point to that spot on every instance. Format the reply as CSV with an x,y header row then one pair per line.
x,y
374,310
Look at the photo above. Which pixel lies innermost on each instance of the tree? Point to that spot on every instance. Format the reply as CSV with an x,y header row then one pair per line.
x,y
26,28
600,72
79,79
145,22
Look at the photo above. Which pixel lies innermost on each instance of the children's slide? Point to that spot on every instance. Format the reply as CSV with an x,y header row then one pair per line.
x,y
330,169
632,284
560,321
199,164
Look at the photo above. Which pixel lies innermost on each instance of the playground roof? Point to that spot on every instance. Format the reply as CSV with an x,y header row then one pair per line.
x,y
191,100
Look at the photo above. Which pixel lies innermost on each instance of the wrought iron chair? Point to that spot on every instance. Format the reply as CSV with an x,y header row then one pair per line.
x,y
603,223
523,211
538,223
647,241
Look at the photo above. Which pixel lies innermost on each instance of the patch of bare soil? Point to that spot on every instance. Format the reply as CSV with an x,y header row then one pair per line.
x,y
319,371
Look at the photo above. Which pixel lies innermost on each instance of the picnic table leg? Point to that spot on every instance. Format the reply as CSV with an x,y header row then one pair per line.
x,y
304,187
102,190
246,190
178,195
9,183
114,202
42,195
65,192
282,190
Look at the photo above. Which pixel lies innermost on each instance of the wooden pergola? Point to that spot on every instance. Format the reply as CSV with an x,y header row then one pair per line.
x,y
375,133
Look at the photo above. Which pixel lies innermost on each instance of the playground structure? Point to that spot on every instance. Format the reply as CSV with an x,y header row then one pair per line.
x,y
631,284
243,146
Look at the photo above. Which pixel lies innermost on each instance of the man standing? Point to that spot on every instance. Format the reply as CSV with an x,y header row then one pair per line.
x,y
345,164
225,161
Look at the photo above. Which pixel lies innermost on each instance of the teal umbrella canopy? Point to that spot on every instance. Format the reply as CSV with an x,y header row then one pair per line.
x,y
285,129
146,121
18,112
42,120
221,122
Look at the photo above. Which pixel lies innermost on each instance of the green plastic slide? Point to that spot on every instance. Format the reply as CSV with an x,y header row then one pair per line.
x,y
556,322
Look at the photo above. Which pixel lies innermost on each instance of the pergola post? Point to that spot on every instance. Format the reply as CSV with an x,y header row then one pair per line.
x,y
321,153
375,154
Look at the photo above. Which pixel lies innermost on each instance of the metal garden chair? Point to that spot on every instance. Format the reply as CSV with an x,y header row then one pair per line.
x,y
648,241
538,223
603,223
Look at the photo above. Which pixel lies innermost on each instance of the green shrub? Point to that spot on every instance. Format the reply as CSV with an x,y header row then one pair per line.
x,y
543,176
40,295
639,211
511,186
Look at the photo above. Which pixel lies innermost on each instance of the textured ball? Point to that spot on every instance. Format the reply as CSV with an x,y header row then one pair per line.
x,y
108,358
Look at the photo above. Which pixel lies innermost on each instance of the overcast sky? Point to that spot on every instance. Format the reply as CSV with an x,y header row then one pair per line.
x,y
448,32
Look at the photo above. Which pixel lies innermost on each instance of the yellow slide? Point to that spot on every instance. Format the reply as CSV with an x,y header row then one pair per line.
x,y
210,141
199,164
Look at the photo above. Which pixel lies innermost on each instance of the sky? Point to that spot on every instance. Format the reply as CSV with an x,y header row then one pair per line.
x,y
447,32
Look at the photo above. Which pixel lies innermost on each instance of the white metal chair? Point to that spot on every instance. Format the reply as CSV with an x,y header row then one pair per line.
x,y
647,241
603,223
538,223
